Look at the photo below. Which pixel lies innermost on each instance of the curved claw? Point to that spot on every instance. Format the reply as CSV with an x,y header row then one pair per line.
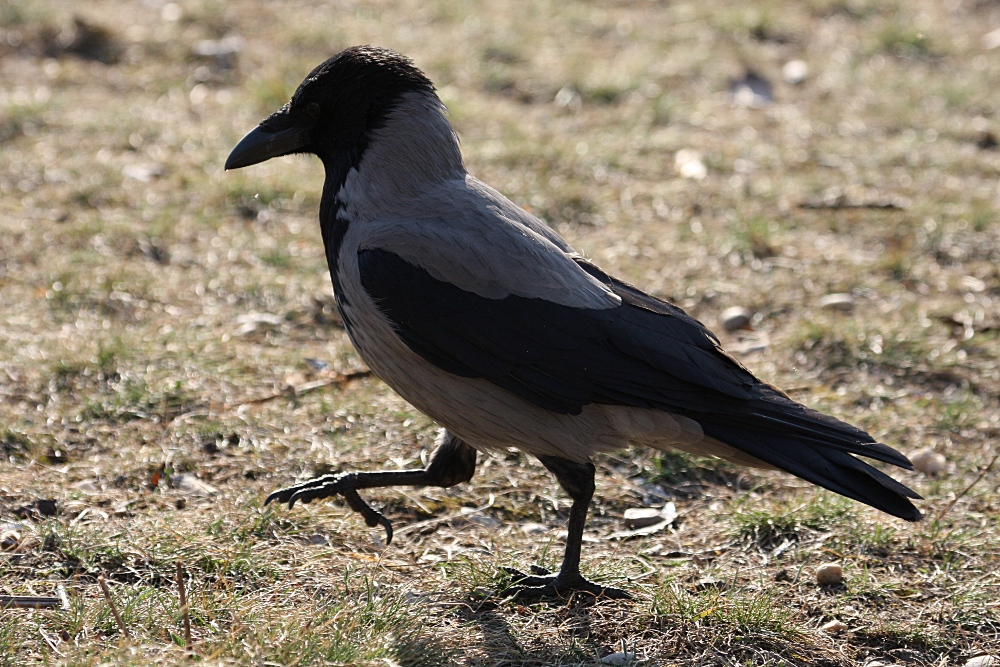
x,y
372,516
275,495
332,485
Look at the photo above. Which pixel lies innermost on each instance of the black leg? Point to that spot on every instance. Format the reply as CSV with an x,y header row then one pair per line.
x,y
452,462
577,479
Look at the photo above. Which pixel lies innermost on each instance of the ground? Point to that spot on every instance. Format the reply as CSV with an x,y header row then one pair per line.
x,y
170,353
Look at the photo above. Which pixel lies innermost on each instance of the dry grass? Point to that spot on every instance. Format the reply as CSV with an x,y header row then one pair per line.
x,y
149,299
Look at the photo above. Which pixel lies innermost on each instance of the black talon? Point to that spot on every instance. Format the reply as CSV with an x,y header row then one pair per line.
x,y
453,462
526,587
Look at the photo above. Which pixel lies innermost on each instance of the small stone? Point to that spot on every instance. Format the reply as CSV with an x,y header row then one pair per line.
x,y
834,627
640,517
171,12
795,72
984,661
688,164
840,301
829,574
735,318
751,90
991,40
620,658
928,462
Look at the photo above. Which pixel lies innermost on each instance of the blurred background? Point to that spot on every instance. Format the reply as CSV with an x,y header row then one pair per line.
x,y
817,181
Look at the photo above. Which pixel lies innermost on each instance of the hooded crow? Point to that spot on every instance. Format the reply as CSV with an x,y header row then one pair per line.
x,y
486,320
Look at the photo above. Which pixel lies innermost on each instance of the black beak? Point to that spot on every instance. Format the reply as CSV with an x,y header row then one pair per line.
x,y
261,144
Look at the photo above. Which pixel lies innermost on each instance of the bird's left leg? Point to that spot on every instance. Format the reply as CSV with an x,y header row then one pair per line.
x,y
452,462
577,479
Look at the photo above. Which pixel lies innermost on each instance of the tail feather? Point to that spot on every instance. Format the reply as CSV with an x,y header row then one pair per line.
x,y
828,463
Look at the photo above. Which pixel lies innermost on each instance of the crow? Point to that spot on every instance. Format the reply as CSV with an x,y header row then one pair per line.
x,y
486,320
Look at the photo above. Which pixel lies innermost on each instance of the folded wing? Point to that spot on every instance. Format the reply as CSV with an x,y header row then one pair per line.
x,y
644,353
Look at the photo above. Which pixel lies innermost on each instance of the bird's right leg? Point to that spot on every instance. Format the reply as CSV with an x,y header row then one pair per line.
x,y
452,462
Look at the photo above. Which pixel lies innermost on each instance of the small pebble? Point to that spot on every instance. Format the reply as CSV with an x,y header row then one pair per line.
x,y
751,90
795,72
688,164
736,317
829,574
928,462
834,627
991,40
640,517
984,661
840,301
620,658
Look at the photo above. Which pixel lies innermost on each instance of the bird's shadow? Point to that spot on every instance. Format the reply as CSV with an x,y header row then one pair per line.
x,y
569,635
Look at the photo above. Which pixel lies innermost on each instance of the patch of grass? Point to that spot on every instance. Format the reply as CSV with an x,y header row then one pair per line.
x,y
15,444
754,235
902,39
681,468
18,119
129,398
740,616
769,527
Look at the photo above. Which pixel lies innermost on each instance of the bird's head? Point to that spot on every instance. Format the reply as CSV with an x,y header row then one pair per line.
x,y
336,110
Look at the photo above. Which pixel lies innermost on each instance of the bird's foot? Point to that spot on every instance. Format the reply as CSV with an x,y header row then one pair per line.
x,y
543,584
343,485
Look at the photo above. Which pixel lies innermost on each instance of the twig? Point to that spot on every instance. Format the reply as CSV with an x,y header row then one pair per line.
x,y
184,607
341,378
114,609
982,474
444,519
28,602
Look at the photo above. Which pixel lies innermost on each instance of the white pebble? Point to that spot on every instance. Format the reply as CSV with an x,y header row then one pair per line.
x,y
928,461
984,661
795,72
688,164
736,317
640,517
834,627
829,574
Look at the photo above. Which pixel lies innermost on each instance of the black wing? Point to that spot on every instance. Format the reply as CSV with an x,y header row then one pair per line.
x,y
644,353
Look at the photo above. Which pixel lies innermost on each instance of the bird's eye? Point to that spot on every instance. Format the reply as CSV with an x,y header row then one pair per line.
x,y
313,110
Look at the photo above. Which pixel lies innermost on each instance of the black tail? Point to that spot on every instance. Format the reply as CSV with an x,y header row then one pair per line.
x,y
816,447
